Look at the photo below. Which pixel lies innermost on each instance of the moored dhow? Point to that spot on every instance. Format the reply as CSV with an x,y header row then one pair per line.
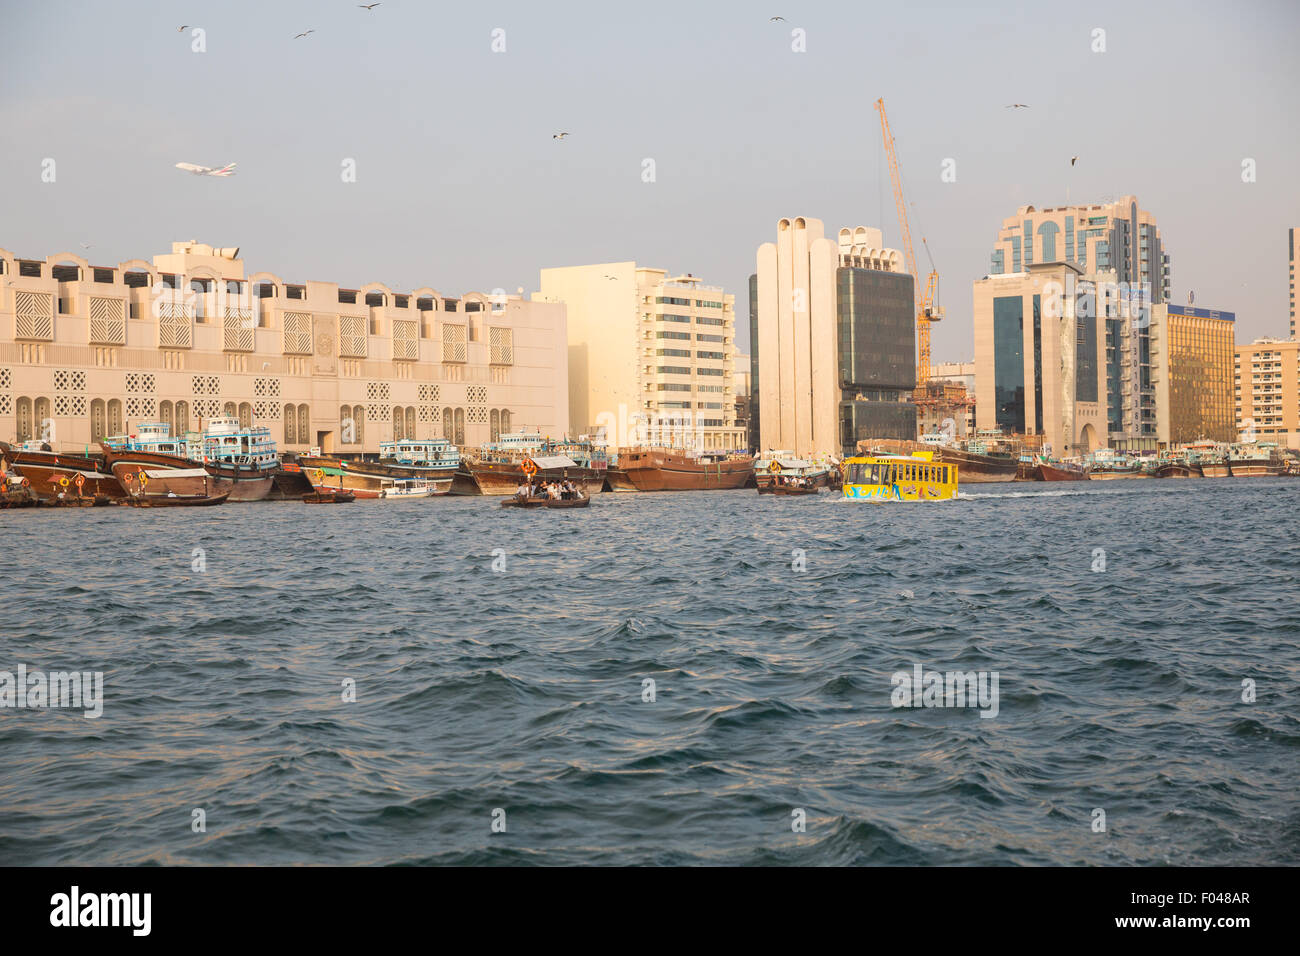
x,y
1105,464
1254,460
434,460
169,465
50,473
672,469
498,467
246,456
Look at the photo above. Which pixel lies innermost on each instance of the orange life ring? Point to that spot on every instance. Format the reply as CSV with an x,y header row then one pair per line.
x,y
79,480
25,483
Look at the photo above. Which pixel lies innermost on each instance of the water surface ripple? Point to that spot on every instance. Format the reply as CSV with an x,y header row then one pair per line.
x,y
521,689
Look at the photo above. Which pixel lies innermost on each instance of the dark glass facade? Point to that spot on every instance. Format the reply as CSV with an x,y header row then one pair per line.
x,y
876,327
1038,365
1009,362
1085,350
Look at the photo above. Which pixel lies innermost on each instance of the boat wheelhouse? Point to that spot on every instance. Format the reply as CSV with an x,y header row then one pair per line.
x,y
434,455
246,455
916,477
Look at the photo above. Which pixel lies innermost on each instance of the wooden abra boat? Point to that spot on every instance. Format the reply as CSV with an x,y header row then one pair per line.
x,y
792,490
176,501
329,498
539,502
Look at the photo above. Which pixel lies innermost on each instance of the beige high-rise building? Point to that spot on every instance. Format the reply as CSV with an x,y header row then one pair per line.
x,y
1266,388
652,357
1191,365
88,351
833,339
1038,367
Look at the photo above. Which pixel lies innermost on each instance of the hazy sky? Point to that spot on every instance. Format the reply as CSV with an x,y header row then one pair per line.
x,y
461,187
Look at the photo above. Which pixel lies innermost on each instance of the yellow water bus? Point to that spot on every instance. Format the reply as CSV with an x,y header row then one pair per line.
x,y
915,477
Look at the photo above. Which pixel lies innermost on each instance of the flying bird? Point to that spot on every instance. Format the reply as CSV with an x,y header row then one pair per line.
x,y
558,135
775,19
1018,106
301,35
1073,160
182,29
367,6
85,245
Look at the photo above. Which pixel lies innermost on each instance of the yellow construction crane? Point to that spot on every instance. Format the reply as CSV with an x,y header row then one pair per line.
x,y
927,302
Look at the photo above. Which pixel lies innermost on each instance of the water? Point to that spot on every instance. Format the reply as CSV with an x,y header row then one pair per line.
x,y
521,689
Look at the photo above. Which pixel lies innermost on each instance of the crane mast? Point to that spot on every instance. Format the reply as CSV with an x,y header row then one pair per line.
x,y
927,307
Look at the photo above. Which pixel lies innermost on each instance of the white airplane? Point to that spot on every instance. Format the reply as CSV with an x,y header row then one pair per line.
x,y
207,170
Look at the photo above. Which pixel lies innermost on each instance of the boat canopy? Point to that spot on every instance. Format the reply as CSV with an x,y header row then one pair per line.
x,y
544,462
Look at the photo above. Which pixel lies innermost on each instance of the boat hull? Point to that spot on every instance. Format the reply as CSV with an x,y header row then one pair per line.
x,y
249,484
1174,470
43,469
1055,473
668,471
1253,468
978,468
165,475
331,475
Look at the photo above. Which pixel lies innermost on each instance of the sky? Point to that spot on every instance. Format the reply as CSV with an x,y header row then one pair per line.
x,y
460,186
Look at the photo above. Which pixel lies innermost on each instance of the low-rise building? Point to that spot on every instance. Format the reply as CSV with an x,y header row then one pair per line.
x,y
1266,389
88,351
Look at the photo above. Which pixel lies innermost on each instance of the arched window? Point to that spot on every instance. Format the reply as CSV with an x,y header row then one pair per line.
x,y
25,419
359,422
398,420
290,425
98,420
505,420
229,410
114,416
165,416
43,424
245,415
460,427
304,425
494,423
182,419
448,429
347,430
410,423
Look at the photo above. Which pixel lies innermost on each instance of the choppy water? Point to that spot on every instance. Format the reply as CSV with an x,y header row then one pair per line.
x,y
522,689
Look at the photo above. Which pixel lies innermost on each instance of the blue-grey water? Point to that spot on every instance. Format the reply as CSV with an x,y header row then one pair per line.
x,y
520,690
